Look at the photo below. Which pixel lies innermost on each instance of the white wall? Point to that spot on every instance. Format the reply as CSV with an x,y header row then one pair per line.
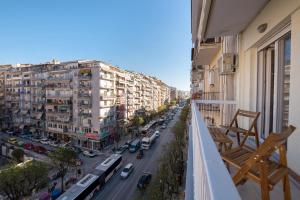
x,y
294,112
274,12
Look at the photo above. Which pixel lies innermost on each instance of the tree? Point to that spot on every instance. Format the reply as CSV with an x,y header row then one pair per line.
x,y
63,160
21,181
18,155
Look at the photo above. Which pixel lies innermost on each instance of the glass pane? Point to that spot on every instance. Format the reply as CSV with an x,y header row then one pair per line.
x,y
286,81
287,51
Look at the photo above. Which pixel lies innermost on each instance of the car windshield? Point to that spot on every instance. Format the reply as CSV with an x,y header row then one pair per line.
x,y
126,169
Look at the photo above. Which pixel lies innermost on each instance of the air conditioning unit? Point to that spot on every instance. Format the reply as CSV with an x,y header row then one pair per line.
x,y
227,64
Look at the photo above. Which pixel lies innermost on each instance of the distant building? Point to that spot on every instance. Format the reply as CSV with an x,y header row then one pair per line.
x,y
173,94
183,94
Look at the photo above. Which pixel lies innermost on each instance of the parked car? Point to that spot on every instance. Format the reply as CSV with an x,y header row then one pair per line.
x,y
40,149
127,144
12,140
144,180
36,138
128,169
44,141
121,149
20,143
10,132
25,136
28,146
89,153
163,126
53,143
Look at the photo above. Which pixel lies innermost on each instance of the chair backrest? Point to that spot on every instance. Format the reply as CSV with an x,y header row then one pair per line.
x,y
245,113
265,150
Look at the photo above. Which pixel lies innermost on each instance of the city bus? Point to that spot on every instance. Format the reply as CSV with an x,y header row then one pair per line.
x,y
87,187
148,126
134,145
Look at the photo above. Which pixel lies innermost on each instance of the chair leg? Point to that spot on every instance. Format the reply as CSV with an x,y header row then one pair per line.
x,y
238,138
257,140
286,187
264,185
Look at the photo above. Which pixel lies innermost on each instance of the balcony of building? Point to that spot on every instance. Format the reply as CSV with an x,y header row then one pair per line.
x,y
60,85
85,94
85,75
85,85
83,114
207,175
85,104
107,76
105,96
107,86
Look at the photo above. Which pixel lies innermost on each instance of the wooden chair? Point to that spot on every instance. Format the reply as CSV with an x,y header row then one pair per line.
x,y
222,140
251,131
258,165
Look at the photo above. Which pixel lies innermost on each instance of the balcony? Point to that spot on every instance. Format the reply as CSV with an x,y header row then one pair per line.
x,y
107,86
85,115
85,77
107,77
85,86
84,95
106,97
207,176
85,104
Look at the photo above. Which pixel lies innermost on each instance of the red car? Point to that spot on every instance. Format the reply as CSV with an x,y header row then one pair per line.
x,y
28,146
40,149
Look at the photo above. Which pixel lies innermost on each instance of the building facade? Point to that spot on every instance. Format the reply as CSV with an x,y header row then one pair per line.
x,y
254,62
83,102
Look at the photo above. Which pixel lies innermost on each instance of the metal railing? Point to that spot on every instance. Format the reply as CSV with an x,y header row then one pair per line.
x,y
216,112
207,176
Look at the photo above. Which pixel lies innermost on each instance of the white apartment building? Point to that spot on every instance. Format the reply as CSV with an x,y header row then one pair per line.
x,y
85,102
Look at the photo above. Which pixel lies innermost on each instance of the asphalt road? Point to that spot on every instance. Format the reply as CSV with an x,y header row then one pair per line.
x,y
117,189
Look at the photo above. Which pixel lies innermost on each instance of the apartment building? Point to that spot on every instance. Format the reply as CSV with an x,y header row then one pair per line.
x,y
3,69
246,53
84,102
173,93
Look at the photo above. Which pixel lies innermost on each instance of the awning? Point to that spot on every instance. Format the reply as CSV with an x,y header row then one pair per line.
x,y
92,136
16,111
21,126
220,18
40,106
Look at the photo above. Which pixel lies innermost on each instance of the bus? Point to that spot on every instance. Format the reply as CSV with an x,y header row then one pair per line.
x,y
87,187
148,126
134,145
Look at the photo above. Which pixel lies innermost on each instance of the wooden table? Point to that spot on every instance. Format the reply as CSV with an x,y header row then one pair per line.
x,y
220,138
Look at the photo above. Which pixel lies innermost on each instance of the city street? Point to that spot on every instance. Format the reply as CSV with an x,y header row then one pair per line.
x,y
117,189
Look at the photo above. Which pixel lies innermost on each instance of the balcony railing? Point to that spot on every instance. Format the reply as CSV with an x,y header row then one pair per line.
x,y
207,176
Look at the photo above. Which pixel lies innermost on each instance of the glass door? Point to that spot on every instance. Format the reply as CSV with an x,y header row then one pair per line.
x,y
274,86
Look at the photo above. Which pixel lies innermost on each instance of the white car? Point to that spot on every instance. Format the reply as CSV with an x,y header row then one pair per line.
x,y
53,144
44,141
128,169
156,134
89,153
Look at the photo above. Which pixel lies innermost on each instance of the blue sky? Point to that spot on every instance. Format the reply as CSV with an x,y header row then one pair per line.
x,y
149,36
